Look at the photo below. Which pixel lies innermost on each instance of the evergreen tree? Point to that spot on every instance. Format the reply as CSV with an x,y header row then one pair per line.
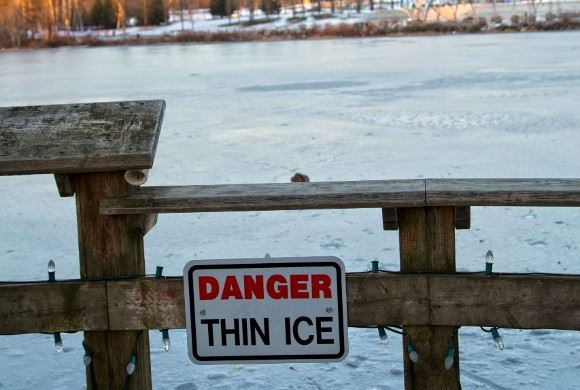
x,y
218,8
152,13
157,12
270,7
222,8
103,14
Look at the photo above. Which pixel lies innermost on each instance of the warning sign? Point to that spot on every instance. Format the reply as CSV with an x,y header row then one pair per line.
x,y
269,310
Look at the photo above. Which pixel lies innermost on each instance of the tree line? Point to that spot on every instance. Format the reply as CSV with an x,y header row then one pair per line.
x,y
23,20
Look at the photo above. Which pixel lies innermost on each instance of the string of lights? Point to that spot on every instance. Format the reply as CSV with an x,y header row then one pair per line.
x,y
451,350
164,332
382,329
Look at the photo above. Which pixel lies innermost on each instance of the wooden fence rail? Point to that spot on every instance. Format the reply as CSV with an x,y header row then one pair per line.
x,y
388,298
341,195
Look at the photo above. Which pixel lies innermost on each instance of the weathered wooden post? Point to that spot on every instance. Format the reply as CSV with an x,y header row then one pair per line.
x,y
108,249
427,243
89,147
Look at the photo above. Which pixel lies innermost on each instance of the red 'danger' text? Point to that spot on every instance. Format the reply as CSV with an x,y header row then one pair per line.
x,y
296,286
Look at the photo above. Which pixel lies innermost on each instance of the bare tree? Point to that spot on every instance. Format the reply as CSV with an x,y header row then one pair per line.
x,y
252,8
190,13
77,15
457,4
181,9
120,14
12,23
145,5
229,10
533,5
50,20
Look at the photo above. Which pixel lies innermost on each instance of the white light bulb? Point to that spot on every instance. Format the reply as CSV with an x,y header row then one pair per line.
x,y
131,366
87,360
497,338
449,361
383,335
414,356
450,358
165,336
489,257
51,266
489,263
57,342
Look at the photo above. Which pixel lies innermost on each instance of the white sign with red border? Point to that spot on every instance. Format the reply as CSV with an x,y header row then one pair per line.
x,y
267,310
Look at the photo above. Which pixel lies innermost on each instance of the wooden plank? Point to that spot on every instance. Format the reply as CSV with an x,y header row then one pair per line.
x,y
505,301
71,138
64,184
52,307
159,303
109,248
427,244
263,197
461,193
148,304
503,192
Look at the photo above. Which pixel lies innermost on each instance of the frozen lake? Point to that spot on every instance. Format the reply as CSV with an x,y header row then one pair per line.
x,y
449,106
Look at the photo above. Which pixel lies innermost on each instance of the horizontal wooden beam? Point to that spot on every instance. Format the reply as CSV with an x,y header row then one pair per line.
x,y
502,192
507,301
391,194
52,307
263,197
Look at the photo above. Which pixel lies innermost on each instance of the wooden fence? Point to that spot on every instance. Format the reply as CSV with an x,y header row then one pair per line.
x,y
90,148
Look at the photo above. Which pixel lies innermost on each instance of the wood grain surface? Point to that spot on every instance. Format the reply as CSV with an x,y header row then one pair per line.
x,y
69,138
388,194
506,301
108,247
503,192
427,244
252,197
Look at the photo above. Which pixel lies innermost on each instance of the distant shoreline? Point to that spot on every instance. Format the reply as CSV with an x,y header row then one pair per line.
x,y
337,31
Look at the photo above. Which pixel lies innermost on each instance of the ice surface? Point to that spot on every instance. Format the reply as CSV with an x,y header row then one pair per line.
x,y
449,106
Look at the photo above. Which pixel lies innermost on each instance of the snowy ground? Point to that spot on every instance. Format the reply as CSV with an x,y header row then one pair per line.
x,y
202,21
448,106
